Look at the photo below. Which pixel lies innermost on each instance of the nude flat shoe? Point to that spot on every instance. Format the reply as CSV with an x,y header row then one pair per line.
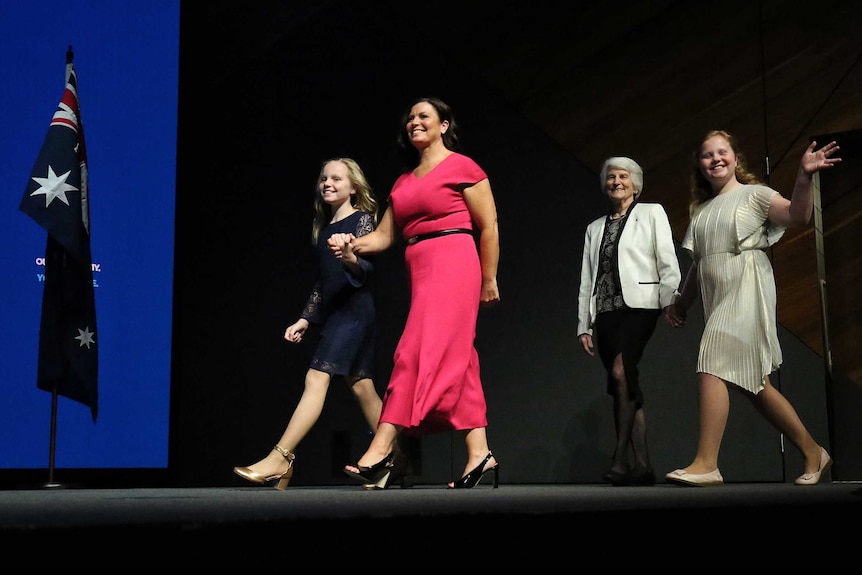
x,y
702,480
814,478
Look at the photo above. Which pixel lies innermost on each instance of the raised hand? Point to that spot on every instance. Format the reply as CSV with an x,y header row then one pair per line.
x,y
813,161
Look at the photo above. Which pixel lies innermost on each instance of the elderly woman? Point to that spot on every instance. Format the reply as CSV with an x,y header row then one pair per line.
x,y
629,274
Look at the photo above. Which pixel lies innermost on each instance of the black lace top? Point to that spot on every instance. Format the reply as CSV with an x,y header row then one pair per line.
x,y
609,294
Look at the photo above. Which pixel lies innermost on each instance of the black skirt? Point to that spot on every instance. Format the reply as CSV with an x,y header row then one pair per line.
x,y
625,331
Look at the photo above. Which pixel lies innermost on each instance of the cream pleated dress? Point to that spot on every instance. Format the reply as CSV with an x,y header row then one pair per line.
x,y
728,236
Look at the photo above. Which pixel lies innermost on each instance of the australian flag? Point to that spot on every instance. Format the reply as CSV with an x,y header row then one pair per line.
x,y
57,198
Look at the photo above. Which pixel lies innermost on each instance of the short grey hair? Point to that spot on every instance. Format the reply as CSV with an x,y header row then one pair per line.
x,y
627,164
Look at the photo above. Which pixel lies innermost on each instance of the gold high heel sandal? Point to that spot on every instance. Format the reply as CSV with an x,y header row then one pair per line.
x,y
283,478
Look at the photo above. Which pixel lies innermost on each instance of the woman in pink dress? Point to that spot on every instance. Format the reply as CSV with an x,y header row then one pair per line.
x,y
436,207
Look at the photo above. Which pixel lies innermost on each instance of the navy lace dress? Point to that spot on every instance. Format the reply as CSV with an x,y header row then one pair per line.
x,y
343,305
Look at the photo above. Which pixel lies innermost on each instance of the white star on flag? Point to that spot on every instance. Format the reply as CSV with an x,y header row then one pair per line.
x,y
54,186
85,337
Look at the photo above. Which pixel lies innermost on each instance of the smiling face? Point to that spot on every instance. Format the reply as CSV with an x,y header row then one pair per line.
x,y
334,185
620,187
424,126
717,162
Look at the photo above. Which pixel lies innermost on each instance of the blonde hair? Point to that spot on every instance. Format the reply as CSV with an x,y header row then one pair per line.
x,y
362,200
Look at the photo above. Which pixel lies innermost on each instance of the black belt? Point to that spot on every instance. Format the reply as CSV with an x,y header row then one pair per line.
x,y
428,236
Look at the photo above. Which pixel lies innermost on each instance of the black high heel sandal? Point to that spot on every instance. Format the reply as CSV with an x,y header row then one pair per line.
x,y
376,475
401,473
472,479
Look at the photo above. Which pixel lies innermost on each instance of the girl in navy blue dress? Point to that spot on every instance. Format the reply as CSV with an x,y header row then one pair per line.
x,y
342,303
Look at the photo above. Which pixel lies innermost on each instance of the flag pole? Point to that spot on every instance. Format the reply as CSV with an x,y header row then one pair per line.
x,y
52,449
53,443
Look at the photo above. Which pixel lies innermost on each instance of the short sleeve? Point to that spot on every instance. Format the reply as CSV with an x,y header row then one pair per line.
x,y
470,171
752,216
688,239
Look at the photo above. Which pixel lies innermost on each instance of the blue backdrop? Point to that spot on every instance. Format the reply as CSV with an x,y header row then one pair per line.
x,y
127,61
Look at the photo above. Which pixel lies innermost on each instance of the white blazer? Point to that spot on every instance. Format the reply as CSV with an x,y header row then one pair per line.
x,y
648,266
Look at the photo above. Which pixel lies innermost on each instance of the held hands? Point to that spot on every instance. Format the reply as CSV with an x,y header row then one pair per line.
x,y
814,161
674,315
339,245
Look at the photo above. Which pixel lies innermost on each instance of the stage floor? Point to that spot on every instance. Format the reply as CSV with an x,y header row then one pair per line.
x,y
350,518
